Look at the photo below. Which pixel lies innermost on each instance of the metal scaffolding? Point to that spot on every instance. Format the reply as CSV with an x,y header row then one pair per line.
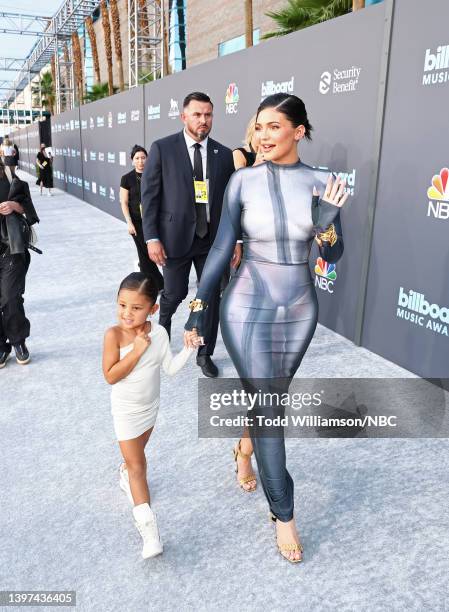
x,y
22,24
145,40
53,41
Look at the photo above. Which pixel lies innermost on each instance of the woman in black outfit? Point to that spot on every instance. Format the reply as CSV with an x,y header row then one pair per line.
x,y
246,156
45,170
15,202
131,208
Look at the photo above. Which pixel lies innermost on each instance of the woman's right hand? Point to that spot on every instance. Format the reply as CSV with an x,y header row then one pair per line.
x,y
131,228
141,342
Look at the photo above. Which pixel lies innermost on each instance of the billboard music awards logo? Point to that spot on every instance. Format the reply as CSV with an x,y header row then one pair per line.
x,y
272,87
102,191
438,194
84,124
436,66
100,121
340,81
91,123
174,109
111,194
110,119
414,308
325,275
135,115
232,98
154,112
121,118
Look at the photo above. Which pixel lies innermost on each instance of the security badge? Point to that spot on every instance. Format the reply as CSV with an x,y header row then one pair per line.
x,y
201,190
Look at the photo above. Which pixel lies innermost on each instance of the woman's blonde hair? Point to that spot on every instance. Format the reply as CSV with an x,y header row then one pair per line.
x,y
250,129
6,142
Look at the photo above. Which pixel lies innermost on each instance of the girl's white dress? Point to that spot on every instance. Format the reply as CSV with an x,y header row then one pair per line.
x,y
135,398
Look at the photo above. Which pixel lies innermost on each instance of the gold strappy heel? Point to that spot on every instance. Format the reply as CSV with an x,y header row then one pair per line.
x,y
251,477
286,548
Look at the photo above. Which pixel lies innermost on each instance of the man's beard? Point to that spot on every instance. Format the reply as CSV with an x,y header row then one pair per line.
x,y
203,135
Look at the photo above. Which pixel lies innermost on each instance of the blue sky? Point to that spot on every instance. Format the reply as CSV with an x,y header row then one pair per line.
x,y
20,46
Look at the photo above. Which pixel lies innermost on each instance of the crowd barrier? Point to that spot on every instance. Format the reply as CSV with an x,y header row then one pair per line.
x,y
377,105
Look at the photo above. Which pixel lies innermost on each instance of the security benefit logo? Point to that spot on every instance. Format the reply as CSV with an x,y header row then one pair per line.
x,y
340,80
232,99
438,194
325,275
436,66
416,309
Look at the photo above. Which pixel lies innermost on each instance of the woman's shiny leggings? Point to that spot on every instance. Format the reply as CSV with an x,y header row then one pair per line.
x,y
268,316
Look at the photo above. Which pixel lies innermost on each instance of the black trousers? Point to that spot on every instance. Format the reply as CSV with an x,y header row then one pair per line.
x,y
176,287
14,326
148,267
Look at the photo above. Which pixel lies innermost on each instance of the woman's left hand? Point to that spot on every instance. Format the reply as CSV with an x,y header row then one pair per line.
x,y
335,192
192,340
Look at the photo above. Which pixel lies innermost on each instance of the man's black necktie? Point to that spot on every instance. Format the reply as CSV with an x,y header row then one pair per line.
x,y
201,213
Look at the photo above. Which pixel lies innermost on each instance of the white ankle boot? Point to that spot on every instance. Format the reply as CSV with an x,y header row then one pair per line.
x,y
147,526
124,483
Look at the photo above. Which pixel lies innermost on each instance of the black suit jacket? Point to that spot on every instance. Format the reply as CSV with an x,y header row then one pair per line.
x,y
168,198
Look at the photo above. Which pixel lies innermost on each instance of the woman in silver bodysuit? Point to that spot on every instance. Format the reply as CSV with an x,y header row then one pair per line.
x,y
269,310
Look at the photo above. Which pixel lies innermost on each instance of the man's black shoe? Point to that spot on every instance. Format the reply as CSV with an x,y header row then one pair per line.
x,y
4,355
22,354
207,366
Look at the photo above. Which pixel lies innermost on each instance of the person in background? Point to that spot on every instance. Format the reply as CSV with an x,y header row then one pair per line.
x,y
15,201
183,185
45,170
9,154
130,201
246,156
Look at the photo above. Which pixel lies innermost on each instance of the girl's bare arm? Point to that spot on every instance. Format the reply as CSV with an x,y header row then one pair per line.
x,y
114,368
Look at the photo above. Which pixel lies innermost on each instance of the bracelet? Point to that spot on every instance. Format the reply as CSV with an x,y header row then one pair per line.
x,y
330,235
196,305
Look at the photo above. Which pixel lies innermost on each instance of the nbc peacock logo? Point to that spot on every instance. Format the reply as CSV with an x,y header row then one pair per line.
x,y
438,194
232,99
325,275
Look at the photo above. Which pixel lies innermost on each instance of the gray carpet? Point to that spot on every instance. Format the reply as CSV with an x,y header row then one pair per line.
x,y
372,513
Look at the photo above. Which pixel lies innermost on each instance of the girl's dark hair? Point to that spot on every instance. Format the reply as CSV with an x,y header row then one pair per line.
x,y
138,149
137,281
290,106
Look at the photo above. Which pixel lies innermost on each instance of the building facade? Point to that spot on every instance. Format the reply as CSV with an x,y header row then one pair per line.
x,y
217,27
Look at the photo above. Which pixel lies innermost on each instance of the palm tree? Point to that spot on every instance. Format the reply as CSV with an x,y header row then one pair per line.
x,y
117,42
46,89
107,43
300,14
248,23
93,45
78,65
97,92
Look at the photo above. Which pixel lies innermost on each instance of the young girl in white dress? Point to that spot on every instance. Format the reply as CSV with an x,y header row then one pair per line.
x,y
134,351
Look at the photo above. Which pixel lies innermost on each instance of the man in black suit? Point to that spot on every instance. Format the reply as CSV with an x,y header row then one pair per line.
x,y
183,184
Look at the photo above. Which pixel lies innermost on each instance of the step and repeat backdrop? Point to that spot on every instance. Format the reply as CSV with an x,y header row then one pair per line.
x,y
67,151
407,305
335,68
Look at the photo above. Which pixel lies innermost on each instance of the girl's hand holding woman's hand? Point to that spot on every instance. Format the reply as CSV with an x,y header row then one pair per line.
x,y
192,340
335,192
141,342
131,228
